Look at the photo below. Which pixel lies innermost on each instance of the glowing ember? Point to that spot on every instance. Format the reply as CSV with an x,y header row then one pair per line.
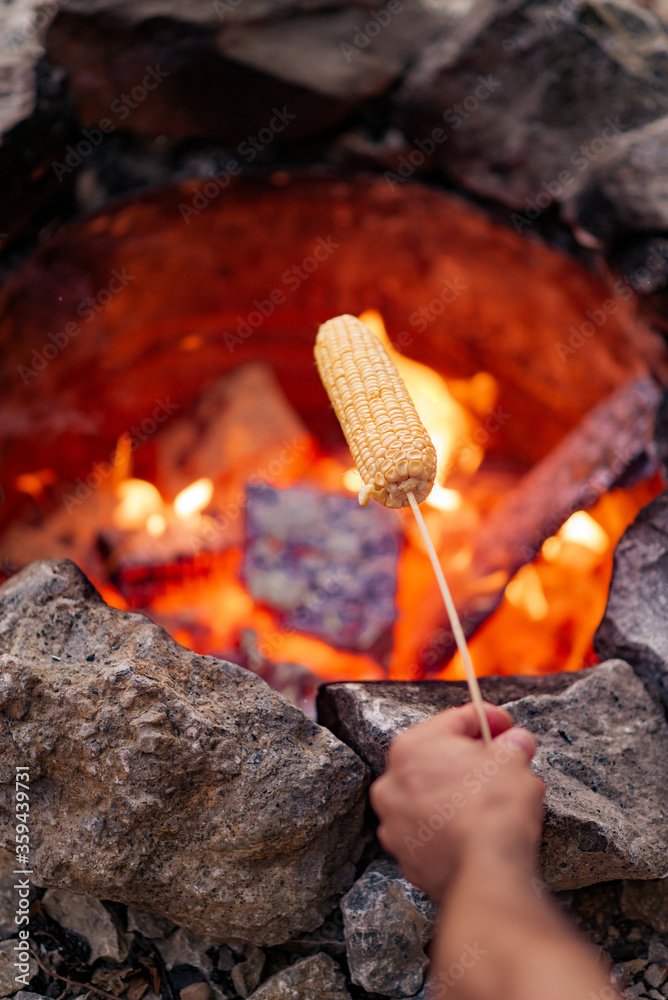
x,y
584,530
138,500
444,499
156,525
33,484
526,592
193,498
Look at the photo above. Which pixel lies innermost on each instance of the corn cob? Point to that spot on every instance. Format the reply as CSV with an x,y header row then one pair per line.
x,y
391,448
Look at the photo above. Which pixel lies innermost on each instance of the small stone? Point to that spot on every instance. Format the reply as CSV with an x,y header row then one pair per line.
x,y
387,924
196,991
635,966
150,925
655,995
90,919
246,975
635,992
27,995
317,976
183,948
656,974
8,982
657,951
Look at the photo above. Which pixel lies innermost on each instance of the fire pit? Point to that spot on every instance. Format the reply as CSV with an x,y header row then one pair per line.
x,y
163,429
191,380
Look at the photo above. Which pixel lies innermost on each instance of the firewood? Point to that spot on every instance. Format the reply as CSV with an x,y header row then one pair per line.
x,y
611,444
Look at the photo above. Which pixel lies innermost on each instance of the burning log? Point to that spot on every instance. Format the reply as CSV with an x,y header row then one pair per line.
x,y
328,567
609,446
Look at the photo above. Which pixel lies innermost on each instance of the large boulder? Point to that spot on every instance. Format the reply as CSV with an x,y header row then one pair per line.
x,y
530,97
179,784
602,752
634,623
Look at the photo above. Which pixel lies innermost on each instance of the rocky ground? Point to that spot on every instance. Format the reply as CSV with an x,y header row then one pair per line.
x,y
109,949
195,835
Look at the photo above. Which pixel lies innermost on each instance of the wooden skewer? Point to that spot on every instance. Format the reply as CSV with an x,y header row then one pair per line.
x,y
457,630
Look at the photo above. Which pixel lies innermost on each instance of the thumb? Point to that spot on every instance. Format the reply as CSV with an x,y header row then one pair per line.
x,y
518,740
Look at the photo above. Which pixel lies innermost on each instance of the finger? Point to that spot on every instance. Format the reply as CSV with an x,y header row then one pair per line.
x,y
464,721
376,795
519,740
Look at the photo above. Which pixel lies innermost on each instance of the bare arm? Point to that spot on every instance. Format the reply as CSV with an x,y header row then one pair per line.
x,y
464,822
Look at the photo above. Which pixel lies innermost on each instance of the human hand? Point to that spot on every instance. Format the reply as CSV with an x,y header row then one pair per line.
x,y
446,795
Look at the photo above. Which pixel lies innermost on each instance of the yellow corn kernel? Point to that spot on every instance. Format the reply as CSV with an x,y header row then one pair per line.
x,y
391,448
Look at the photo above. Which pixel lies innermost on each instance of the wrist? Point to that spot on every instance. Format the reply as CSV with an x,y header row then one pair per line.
x,y
492,861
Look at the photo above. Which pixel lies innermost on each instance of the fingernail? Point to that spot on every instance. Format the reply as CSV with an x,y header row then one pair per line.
x,y
520,739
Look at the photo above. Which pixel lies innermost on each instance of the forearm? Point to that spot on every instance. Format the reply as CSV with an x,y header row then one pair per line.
x,y
498,940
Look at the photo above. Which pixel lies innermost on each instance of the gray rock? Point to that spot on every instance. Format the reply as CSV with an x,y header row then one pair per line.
x,y
656,974
367,716
647,901
148,781
625,190
563,83
657,950
339,57
246,975
635,992
603,753
8,971
387,922
91,920
317,976
196,991
634,623
183,948
27,995
148,924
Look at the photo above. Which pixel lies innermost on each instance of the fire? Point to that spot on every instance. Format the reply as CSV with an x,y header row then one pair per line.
x,y
547,615
449,424
137,501
193,498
